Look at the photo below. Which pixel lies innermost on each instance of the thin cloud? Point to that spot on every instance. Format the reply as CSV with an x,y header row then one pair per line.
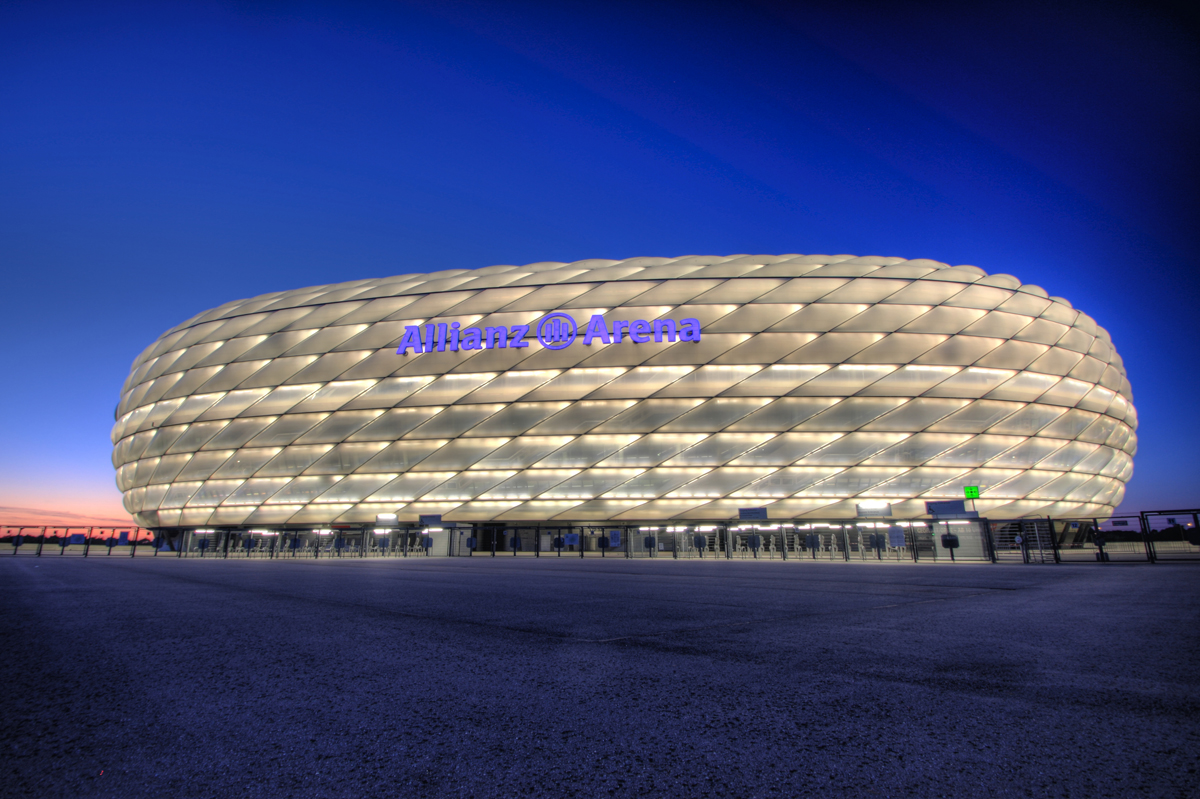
x,y
40,516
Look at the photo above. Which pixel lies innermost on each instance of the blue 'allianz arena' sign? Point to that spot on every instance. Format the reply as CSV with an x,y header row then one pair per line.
x,y
556,331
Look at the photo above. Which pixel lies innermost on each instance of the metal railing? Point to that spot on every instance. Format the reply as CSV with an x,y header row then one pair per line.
x,y
47,541
1149,537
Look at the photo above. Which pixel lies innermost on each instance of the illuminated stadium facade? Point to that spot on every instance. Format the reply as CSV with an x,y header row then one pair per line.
x,y
649,391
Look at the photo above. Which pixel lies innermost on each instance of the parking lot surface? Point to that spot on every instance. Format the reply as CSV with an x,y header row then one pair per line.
x,y
506,677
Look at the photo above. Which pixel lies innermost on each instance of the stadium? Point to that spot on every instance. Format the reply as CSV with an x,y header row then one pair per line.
x,y
543,402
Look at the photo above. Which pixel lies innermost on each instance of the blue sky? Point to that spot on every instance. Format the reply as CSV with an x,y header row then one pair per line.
x,y
160,159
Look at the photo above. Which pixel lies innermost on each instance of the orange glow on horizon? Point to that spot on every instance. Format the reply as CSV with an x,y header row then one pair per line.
x,y
74,505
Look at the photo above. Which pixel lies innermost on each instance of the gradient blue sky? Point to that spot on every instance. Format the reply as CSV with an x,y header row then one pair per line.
x,y
160,159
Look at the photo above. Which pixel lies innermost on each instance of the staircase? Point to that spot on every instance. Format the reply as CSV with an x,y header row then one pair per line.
x,y
1036,543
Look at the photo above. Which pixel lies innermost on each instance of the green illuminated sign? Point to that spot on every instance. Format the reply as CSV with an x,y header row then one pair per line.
x,y
971,492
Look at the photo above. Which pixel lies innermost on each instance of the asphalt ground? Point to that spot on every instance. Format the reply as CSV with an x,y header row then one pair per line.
x,y
514,677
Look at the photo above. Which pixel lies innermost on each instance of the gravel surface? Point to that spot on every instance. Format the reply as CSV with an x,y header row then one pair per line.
x,y
514,677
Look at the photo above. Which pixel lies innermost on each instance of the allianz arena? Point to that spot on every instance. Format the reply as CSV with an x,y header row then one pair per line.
x,y
642,391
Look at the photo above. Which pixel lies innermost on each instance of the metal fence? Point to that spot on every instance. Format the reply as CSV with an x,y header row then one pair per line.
x,y
76,541
861,541
1148,537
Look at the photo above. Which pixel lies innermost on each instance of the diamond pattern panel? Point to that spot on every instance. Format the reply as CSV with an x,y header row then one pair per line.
x,y
816,380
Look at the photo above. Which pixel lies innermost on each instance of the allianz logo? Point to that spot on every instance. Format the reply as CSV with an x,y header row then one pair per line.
x,y
554,331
